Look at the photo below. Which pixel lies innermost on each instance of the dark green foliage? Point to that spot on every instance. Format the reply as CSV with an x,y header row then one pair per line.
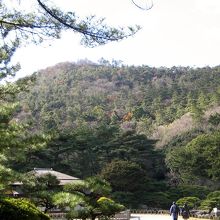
x,y
40,189
20,142
156,199
86,151
15,137
194,190
157,186
132,186
19,209
98,114
215,119
199,160
214,194
128,199
192,202
125,176
88,198
129,146
184,138
93,93
186,193
109,206
212,200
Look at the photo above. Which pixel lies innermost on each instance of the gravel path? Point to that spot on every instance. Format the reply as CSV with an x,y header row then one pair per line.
x,y
151,217
154,217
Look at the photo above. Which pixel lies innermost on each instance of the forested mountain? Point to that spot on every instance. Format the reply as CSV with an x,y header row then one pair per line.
x,y
137,98
100,116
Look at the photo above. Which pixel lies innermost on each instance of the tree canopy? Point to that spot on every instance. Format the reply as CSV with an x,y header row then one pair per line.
x,y
88,199
199,160
46,21
19,27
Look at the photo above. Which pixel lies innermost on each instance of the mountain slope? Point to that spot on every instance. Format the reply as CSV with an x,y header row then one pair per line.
x,y
147,100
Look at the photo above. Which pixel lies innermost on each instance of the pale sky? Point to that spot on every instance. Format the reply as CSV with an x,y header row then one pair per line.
x,y
174,33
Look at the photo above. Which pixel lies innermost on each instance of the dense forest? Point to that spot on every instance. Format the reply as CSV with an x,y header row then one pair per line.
x,y
153,133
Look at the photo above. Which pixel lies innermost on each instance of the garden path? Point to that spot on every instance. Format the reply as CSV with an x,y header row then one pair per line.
x,y
150,217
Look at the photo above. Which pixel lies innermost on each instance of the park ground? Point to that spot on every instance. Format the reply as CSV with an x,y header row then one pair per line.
x,y
155,217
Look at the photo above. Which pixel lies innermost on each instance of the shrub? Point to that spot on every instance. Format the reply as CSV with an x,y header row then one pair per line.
x,y
192,202
108,206
20,209
212,200
194,191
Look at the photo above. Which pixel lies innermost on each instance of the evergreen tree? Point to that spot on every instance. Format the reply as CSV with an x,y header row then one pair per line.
x,y
88,199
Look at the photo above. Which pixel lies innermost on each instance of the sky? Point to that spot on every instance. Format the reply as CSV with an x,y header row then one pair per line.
x,y
174,33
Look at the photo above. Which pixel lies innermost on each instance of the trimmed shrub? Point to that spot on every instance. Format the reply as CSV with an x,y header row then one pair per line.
x,y
20,209
108,206
212,200
192,202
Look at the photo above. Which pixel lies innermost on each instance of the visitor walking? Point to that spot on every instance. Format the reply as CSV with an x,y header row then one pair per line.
x,y
185,211
174,211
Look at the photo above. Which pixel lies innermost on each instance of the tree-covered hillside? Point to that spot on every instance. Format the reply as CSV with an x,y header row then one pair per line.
x,y
138,98
125,123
